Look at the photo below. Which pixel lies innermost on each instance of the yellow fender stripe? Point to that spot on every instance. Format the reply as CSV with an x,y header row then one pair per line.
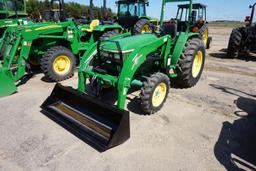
x,y
48,27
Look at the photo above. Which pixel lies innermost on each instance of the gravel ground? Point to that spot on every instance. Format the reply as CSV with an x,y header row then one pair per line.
x,y
208,127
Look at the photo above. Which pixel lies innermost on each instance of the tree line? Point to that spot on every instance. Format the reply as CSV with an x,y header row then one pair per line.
x,y
36,9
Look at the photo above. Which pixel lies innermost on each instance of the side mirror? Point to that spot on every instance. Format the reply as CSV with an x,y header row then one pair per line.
x,y
250,6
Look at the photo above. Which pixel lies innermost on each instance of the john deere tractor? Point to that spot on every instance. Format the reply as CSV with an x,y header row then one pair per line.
x,y
146,62
132,15
243,39
54,46
198,21
12,13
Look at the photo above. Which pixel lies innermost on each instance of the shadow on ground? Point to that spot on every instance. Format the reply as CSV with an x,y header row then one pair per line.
x,y
28,76
222,54
236,146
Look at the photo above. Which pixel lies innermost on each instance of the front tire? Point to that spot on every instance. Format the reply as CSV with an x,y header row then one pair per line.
x,y
191,64
58,64
154,93
234,44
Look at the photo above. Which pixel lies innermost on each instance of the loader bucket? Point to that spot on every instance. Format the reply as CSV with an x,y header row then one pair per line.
x,y
7,85
98,124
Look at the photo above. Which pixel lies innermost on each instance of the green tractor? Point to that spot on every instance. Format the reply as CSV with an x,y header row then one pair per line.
x,y
12,13
54,46
198,21
132,15
147,62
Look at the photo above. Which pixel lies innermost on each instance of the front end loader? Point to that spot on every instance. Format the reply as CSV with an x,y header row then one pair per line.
x,y
145,62
55,46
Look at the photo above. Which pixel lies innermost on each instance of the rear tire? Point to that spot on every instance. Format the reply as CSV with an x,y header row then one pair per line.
x,y
204,34
154,93
191,64
234,44
143,25
209,42
58,63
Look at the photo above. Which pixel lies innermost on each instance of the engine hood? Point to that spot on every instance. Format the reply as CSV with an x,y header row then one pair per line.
x,y
128,44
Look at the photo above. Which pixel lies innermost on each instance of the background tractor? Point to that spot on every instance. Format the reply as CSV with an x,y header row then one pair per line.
x,y
54,46
132,15
12,13
147,62
243,39
198,21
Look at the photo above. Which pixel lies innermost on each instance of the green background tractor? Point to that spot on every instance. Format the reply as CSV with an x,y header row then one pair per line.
x,y
147,62
198,21
54,46
243,39
132,15
12,13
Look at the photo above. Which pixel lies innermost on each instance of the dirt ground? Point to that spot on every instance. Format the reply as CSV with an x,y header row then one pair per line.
x,y
209,127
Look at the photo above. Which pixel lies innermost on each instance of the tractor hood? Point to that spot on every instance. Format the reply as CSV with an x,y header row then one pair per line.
x,y
128,44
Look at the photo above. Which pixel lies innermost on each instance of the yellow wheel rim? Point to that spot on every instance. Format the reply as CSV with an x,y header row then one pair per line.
x,y
145,29
205,37
197,64
159,94
62,65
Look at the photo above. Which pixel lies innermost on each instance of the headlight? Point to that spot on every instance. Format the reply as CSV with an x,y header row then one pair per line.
x,y
113,55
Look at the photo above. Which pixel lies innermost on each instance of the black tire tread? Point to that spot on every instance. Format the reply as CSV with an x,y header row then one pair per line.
x,y
201,33
139,25
46,64
148,89
234,43
184,68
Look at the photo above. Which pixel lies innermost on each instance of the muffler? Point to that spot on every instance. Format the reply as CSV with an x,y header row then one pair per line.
x,y
100,125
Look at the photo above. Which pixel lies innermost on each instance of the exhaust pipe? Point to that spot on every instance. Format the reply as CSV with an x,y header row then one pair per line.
x,y
98,124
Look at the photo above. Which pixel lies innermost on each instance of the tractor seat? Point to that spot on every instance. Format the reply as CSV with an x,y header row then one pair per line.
x,y
93,24
170,29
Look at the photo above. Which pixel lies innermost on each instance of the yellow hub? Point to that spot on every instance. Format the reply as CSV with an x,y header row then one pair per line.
x,y
145,29
205,37
197,64
159,95
62,65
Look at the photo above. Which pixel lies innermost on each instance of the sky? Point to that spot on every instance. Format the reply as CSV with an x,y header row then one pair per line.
x,y
216,9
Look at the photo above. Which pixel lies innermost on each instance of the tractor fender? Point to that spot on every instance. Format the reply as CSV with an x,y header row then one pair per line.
x,y
178,48
103,28
134,62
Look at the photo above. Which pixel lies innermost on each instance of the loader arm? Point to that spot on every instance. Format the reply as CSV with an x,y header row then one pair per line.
x,y
133,63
